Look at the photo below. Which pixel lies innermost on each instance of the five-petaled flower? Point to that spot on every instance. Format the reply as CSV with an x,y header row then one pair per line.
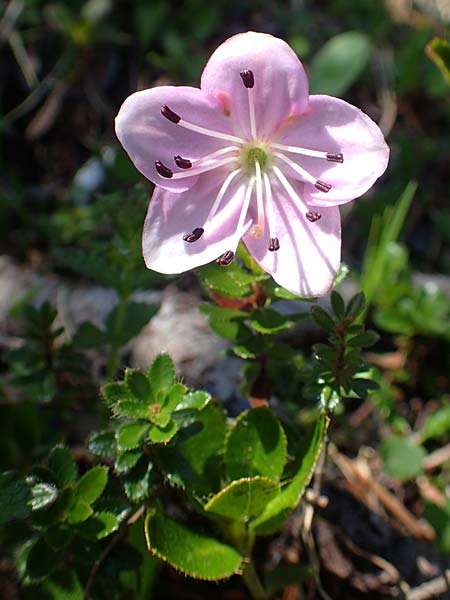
x,y
250,155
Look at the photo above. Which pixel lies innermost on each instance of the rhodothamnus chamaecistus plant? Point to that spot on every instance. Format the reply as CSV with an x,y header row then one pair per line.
x,y
252,156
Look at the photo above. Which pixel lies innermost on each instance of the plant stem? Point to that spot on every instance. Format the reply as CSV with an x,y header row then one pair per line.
x,y
113,361
253,582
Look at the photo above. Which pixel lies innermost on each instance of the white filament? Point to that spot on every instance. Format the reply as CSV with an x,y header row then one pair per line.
x,y
220,195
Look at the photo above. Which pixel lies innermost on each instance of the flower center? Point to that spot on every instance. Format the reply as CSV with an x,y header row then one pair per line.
x,y
254,153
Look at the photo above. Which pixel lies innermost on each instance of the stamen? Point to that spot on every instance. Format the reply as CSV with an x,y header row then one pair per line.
x,y
245,205
163,170
313,216
215,154
269,205
335,157
174,118
289,189
318,184
220,195
322,186
183,163
330,156
274,244
169,114
194,236
248,78
258,230
225,259
192,172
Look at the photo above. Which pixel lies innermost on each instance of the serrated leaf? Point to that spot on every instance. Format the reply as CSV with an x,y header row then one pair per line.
x,y
279,509
42,496
79,512
402,457
255,446
14,496
126,461
133,409
323,319
191,552
162,373
228,281
173,398
103,444
439,52
91,485
162,435
137,483
339,63
194,460
115,392
131,435
194,401
268,321
62,464
137,315
138,385
37,560
243,499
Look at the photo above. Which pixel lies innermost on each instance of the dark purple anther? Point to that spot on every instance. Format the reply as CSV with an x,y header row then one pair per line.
x,y
274,244
313,216
194,236
225,259
169,114
163,170
183,163
335,157
322,186
248,78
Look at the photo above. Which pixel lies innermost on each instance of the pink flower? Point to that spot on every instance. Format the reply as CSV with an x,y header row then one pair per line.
x,y
252,156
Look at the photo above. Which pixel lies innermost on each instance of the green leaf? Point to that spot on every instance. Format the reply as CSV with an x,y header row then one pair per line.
x,y
279,509
402,458
115,392
14,496
91,485
131,435
339,63
256,446
103,444
268,321
338,305
63,586
194,401
137,315
174,398
194,460
437,425
439,52
138,385
323,319
221,313
132,409
79,512
363,340
37,559
42,496
162,373
229,281
191,552
355,306
162,435
243,499
126,461
137,483
88,335
61,462
100,525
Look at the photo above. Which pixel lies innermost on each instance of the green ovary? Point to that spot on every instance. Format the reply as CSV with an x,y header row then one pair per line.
x,y
253,154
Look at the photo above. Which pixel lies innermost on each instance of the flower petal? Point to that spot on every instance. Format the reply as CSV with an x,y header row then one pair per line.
x,y
281,85
333,125
309,254
171,215
147,136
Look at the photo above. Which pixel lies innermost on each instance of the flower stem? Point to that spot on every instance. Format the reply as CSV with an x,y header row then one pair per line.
x,y
244,540
253,582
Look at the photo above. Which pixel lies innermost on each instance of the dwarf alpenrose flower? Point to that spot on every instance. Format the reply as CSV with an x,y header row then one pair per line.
x,y
252,156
